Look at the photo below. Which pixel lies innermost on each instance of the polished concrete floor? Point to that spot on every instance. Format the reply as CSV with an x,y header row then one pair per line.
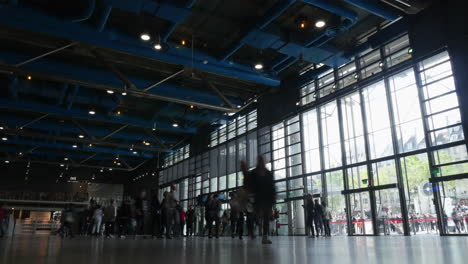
x,y
396,250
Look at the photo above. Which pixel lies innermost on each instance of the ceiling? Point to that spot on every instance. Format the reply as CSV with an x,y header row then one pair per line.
x,y
59,61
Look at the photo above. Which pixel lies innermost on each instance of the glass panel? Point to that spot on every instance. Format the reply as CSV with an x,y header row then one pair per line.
x,y
419,194
295,171
331,135
222,183
388,212
353,129
335,200
378,122
407,114
358,177
214,185
384,172
361,214
369,58
314,184
280,186
311,141
371,70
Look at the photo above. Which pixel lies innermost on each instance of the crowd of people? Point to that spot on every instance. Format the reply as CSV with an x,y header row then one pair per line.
x,y
318,217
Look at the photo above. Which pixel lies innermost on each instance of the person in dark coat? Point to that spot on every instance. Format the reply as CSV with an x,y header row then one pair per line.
x,y
213,208
260,183
156,209
318,218
310,213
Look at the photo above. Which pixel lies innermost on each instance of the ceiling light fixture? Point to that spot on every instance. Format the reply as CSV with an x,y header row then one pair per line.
x,y
192,106
90,145
231,114
320,24
7,161
303,24
62,165
183,42
134,152
145,36
29,77
147,143
118,112
258,66
175,125
110,91
92,112
110,169
4,138
157,46
80,136
74,146
1,128
124,93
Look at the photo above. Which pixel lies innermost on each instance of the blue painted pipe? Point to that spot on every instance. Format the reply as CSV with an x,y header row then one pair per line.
x,y
104,18
375,8
81,148
66,128
31,106
88,12
286,64
59,155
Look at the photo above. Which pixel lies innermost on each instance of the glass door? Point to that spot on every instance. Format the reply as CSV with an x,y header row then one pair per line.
x,y
296,217
388,212
454,206
361,214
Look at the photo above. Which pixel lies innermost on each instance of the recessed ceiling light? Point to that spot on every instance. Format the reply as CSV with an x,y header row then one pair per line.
x,y
303,24
92,112
74,146
145,36
410,50
4,138
147,143
90,145
231,114
29,77
258,66
1,128
118,163
7,161
124,93
65,158
110,91
80,136
61,165
157,46
183,42
134,152
175,125
192,106
110,169
320,24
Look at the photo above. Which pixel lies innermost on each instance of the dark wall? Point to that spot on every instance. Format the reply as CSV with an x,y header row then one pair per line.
x,y
277,105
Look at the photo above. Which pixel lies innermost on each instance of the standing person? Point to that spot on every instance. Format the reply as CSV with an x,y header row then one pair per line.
x,y
310,212
456,219
172,216
124,218
190,221
326,218
142,212
214,208
2,220
110,215
68,220
318,218
183,216
260,182
156,209
97,220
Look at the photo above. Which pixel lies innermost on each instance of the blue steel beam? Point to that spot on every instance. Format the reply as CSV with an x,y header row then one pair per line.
x,y
31,106
66,128
69,147
112,39
375,7
101,76
60,155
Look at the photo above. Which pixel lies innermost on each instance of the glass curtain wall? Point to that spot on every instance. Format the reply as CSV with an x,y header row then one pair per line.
x,y
393,146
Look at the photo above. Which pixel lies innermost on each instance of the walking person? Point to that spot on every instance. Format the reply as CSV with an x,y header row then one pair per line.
x,y
142,208
260,183
156,208
172,216
67,223
182,216
214,209
236,216
97,220
190,222
110,216
326,218
318,218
